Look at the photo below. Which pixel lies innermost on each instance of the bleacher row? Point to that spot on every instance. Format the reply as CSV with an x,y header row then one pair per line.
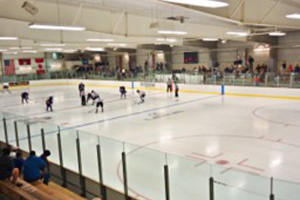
x,y
36,191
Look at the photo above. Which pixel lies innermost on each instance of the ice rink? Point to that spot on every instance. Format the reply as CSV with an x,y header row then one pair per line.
x,y
247,139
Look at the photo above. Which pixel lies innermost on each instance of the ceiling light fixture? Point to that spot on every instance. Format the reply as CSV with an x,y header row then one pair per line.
x,y
277,33
202,3
53,49
262,48
172,32
70,50
53,45
95,48
116,44
56,27
29,51
210,39
3,50
8,38
99,40
166,40
14,48
237,33
11,53
293,16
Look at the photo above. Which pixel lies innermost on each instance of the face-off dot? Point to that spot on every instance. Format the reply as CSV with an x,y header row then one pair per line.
x,y
222,162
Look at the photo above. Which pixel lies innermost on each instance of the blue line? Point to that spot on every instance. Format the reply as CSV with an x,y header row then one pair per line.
x,y
122,116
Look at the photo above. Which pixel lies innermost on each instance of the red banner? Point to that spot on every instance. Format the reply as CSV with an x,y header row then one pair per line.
x,y
26,61
39,60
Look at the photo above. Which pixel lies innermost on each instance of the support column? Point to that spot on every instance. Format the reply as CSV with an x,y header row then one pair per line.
x,y
273,65
1,67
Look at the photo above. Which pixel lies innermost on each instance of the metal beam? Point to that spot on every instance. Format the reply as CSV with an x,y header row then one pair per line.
x,y
237,8
292,3
270,11
77,13
118,22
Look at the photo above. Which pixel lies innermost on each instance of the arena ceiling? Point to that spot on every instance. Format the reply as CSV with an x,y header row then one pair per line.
x,y
128,23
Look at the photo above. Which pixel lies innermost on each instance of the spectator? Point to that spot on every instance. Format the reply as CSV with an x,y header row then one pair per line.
x,y
283,66
7,170
19,161
35,169
290,68
297,69
226,70
251,61
45,156
238,61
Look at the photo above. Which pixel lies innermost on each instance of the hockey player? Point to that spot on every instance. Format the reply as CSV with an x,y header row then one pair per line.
x,y
99,103
142,95
176,90
89,97
6,87
24,97
123,92
83,99
81,88
169,85
92,96
49,103
95,96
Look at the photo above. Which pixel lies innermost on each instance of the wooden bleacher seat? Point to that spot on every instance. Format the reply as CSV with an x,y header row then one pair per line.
x,y
65,191
14,192
25,192
56,191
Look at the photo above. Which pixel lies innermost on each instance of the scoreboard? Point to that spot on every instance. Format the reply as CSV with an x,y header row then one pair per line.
x,y
191,57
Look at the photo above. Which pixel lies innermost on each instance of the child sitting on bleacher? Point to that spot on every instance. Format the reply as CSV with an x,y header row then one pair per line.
x,y
19,161
7,170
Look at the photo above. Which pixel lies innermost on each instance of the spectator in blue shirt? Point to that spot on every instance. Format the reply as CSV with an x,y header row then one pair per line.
x,y
19,161
35,169
45,156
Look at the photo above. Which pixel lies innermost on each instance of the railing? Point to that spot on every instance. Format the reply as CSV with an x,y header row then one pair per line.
x,y
289,80
139,171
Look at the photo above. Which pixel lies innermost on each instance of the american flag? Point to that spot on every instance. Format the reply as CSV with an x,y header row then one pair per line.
x,y
9,67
